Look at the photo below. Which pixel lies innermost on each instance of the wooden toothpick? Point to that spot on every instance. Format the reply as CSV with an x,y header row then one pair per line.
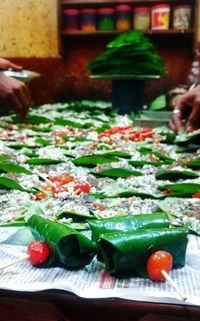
x,y
24,258
174,285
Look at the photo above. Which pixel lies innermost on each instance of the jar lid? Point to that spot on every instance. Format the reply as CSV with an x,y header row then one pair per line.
x,y
160,6
106,10
88,10
123,7
71,11
141,9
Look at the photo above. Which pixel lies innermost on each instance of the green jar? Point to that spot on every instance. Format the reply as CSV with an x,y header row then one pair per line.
x,y
106,19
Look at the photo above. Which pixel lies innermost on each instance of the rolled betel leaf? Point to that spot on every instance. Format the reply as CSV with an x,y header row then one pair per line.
x,y
127,223
126,253
69,247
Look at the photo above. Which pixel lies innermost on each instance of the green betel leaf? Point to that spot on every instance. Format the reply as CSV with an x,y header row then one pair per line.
x,y
101,195
158,103
20,146
94,160
178,216
33,119
30,154
69,247
187,188
118,153
141,163
66,122
18,222
174,175
193,164
161,156
125,194
42,141
12,168
128,194
191,138
116,173
44,161
8,183
77,217
3,158
127,223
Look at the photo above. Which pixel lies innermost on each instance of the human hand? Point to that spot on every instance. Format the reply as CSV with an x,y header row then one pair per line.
x,y
188,109
7,64
15,94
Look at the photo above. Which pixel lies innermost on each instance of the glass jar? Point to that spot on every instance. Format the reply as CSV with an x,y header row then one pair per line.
x,y
123,17
106,19
141,18
71,19
88,20
182,17
160,15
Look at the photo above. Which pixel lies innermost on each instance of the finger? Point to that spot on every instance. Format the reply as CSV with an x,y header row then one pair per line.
x,y
172,126
24,96
16,104
176,119
28,95
14,66
193,121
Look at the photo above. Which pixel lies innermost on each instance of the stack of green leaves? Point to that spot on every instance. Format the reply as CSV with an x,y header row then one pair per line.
x,y
131,53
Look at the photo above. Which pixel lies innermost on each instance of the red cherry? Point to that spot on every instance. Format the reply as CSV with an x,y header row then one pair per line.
x,y
40,195
81,187
38,252
157,262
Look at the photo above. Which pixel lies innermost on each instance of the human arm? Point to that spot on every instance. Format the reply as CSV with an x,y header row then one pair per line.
x,y
188,109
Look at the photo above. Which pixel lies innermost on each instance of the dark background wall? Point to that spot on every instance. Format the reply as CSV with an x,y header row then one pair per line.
x,y
66,78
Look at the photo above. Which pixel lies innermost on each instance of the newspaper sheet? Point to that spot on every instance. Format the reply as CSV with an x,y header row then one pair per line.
x,y
94,282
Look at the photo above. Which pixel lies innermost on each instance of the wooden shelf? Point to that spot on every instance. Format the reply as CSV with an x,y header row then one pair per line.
x,y
116,32
133,2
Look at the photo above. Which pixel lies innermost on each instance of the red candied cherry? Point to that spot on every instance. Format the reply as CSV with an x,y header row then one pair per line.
x,y
40,195
62,179
38,252
81,187
59,189
196,195
157,262
168,191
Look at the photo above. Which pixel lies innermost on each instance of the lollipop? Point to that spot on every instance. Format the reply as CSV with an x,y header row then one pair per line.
x,y
37,253
159,264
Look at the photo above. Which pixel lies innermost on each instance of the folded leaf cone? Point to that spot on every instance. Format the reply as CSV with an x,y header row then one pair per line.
x,y
126,253
69,247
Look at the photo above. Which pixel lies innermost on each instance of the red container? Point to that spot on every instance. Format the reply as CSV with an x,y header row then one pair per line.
x,y
160,15
71,19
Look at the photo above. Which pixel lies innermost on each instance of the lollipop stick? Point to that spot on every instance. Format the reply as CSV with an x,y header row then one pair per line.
x,y
174,285
3,266
44,178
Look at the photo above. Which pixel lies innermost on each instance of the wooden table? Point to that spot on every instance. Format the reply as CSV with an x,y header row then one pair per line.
x,y
57,305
